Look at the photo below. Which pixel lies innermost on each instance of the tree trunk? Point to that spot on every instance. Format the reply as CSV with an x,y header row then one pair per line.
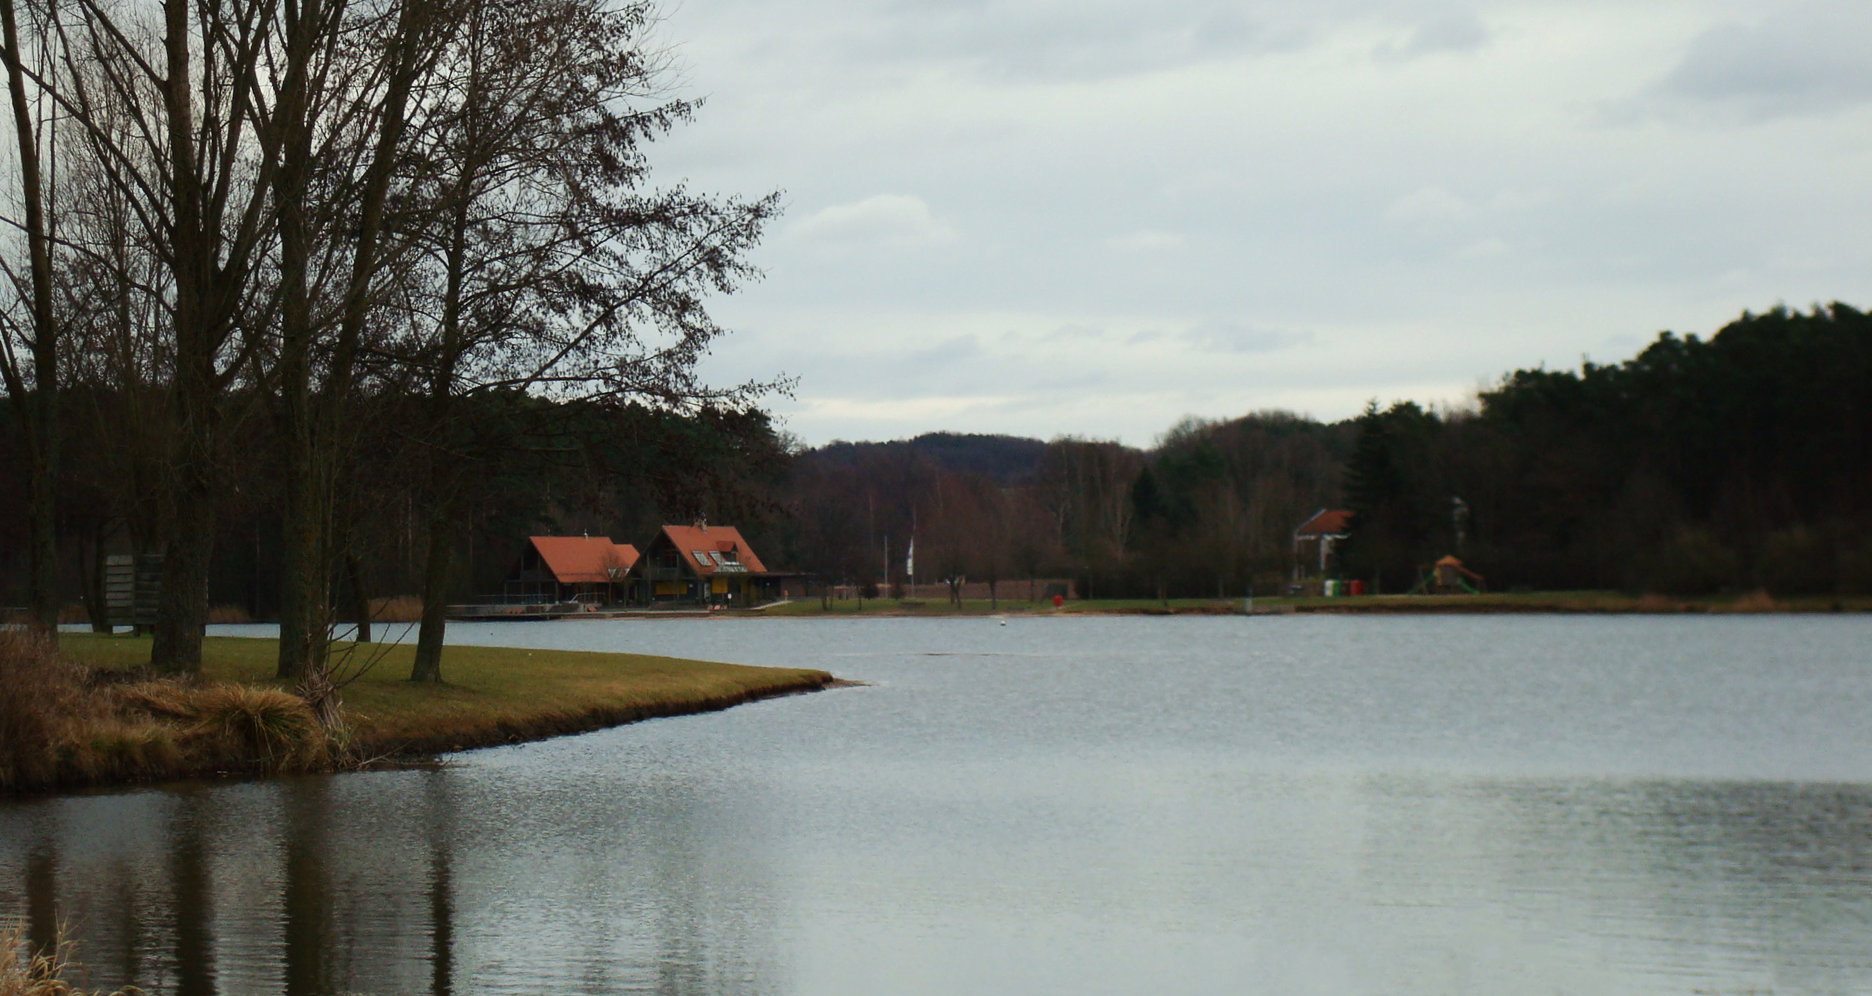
x,y
182,608
302,591
428,664
96,607
360,599
42,521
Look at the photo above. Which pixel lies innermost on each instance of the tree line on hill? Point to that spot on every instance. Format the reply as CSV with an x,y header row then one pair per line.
x,y
1696,466
1736,462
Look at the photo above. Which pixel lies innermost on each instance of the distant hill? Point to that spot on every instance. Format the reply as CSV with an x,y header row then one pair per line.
x,y
1005,459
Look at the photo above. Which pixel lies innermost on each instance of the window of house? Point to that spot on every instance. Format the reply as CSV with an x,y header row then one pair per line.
x,y
701,557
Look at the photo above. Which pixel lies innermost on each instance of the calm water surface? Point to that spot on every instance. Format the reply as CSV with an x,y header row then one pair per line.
x,y
1283,805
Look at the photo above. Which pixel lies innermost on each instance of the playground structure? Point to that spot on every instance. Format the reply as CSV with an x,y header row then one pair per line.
x,y
1448,576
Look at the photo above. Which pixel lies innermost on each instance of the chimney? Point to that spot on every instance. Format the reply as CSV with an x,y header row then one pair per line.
x,y
701,522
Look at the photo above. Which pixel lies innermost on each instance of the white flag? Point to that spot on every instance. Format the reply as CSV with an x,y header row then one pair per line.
x,y
910,560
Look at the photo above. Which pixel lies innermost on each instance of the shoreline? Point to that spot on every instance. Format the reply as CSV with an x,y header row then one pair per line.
x,y
1507,603
109,725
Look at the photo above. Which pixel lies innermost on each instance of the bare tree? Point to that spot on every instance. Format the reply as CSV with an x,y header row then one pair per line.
x,y
554,266
32,379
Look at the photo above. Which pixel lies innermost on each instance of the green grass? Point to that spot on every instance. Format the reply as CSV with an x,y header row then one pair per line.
x,y
490,695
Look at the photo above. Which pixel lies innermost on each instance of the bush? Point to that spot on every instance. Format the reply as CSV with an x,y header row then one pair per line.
x,y
272,728
1796,561
1691,562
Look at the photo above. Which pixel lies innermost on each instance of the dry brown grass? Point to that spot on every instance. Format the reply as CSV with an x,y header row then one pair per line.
x,y
25,972
62,724
396,609
228,614
1755,601
40,695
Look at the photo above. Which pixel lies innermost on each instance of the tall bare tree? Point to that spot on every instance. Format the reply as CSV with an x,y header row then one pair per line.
x,y
29,328
555,265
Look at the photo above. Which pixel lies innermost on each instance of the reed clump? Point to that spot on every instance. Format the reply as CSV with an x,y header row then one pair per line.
x,y
65,724
26,972
396,609
228,614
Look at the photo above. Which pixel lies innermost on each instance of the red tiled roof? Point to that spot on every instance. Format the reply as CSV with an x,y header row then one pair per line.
x,y
711,540
582,559
1326,522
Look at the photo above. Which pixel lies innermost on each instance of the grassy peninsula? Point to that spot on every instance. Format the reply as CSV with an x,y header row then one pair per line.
x,y
110,723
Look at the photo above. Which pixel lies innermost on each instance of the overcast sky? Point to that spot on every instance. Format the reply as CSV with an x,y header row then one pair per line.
x,y
1094,217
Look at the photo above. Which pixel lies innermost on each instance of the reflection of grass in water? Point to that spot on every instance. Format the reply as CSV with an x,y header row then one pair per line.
x,y
24,972
491,695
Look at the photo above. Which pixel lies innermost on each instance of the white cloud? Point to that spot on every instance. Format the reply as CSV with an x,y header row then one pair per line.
x,y
1448,31
1487,248
895,220
1428,206
1144,242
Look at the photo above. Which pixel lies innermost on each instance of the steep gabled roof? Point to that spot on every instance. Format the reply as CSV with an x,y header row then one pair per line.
x,y
721,546
1326,522
585,559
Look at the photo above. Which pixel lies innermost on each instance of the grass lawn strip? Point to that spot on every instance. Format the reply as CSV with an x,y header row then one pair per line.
x,y
491,695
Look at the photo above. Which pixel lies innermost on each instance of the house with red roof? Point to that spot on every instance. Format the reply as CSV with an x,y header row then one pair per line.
x,y
700,564
588,569
1315,539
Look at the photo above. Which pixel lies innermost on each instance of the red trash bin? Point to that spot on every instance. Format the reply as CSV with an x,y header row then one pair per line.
x,y
1358,587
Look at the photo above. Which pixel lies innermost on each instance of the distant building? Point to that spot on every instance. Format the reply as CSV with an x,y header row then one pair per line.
x,y
701,564
1315,539
588,569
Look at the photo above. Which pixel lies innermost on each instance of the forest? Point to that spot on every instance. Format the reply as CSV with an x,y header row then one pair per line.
x,y
1697,466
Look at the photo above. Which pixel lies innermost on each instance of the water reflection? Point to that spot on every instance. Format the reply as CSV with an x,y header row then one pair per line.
x,y
981,824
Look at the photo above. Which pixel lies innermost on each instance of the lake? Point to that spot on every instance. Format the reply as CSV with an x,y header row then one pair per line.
x,y
1485,804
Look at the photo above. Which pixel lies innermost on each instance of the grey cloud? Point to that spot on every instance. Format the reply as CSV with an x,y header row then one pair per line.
x,y
1801,58
1058,40
1441,32
1234,337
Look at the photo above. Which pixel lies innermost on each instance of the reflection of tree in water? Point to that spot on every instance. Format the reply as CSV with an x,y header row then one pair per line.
x,y
193,904
441,825
310,933
42,915
584,878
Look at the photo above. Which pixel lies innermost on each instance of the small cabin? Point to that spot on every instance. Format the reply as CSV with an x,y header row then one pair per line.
x,y
556,569
700,564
